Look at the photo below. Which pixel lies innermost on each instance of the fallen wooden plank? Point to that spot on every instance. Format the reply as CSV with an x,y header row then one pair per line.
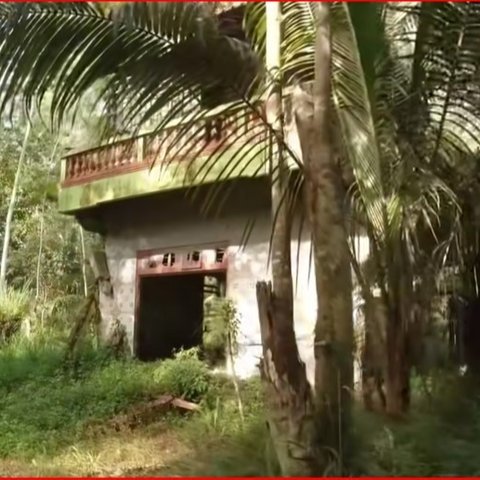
x,y
180,403
149,411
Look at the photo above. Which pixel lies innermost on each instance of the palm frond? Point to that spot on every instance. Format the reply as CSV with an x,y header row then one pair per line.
x,y
405,91
354,105
139,48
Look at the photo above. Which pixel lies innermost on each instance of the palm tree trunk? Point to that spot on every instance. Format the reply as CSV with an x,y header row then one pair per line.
x,y
325,210
398,375
397,380
288,393
11,208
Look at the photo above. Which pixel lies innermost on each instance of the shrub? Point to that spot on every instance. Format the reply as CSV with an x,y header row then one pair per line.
x,y
15,305
184,376
220,326
216,322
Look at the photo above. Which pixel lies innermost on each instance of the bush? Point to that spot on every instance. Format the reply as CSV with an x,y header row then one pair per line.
x,y
15,306
184,376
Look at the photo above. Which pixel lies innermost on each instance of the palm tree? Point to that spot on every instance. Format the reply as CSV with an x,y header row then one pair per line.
x,y
409,96
401,102
333,344
289,396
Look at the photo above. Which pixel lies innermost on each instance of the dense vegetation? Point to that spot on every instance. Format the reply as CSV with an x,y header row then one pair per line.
x,y
57,418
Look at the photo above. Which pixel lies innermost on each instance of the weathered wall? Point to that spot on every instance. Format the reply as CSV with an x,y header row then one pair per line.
x,y
173,222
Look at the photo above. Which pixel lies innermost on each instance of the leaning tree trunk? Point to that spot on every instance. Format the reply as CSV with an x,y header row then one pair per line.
x,y
325,209
288,393
84,261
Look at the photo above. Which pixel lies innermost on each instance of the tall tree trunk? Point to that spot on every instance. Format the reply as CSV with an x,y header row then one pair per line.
x,y
84,262
397,380
11,208
398,373
288,393
325,198
40,251
374,353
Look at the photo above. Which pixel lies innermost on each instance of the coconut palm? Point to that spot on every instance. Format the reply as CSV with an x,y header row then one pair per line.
x,y
405,102
417,119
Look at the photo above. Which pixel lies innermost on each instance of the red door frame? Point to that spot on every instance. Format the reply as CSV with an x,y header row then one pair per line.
x,y
182,267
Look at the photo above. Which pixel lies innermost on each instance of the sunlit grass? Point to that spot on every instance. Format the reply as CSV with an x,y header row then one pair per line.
x,y
55,419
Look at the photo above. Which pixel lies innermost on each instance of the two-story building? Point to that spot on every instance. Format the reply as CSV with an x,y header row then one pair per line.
x,y
161,244
147,197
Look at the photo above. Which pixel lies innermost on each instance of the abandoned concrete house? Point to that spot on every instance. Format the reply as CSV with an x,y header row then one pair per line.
x,y
161,247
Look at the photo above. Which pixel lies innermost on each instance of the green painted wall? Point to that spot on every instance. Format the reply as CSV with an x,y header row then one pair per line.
x,y
170,177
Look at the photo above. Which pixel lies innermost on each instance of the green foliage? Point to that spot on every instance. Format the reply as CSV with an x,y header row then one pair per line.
x,y
229,446
48,408
185,50
46,404
220,325
440,438
45,246
15,306
184,376
215,325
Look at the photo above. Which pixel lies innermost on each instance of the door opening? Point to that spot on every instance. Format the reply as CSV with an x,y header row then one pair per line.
x,y
171,312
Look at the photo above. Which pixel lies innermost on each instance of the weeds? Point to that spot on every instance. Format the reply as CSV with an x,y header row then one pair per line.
x,y
45,404
220,444
15,305
49,414
440,437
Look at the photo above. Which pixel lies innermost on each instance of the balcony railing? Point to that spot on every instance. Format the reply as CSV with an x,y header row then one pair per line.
x,y
176,142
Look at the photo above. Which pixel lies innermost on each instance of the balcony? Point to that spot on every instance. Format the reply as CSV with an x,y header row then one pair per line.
x,y
178,156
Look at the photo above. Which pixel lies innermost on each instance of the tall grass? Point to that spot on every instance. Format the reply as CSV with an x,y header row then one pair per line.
x,y
219,442
15,306
45,404
440,437
48,408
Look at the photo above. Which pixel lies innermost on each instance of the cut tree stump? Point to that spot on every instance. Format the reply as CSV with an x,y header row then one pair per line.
x,y
287,391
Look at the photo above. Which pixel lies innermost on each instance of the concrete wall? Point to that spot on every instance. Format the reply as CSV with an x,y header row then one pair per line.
x,y
173,222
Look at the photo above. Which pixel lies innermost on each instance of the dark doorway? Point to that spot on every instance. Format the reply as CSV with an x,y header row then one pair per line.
x,y
170,315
